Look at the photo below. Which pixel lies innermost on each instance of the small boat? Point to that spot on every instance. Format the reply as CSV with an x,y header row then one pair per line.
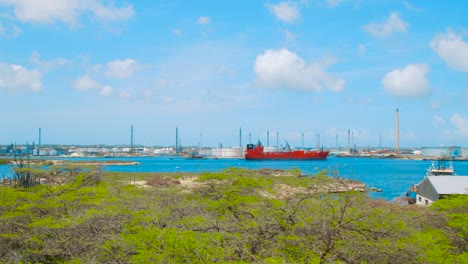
x,y
256,152
195,155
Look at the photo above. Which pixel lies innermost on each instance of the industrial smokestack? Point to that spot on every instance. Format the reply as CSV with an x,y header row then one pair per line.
x,y
277,140
380,140
40,137
397,131
349,140
268,138
317,141
240,137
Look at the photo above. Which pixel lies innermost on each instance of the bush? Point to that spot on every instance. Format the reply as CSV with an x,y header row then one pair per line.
x,y
232,217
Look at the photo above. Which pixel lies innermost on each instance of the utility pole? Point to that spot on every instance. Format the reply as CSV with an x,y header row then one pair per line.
x,y
349,139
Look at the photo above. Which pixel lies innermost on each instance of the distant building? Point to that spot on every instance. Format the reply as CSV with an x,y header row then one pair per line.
x,y
453,152
433,188
464,152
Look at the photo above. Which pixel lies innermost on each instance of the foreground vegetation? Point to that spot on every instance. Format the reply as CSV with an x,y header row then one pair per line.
x,y
234,216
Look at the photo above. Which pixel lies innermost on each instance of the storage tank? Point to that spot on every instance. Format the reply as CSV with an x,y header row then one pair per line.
x,y
453,151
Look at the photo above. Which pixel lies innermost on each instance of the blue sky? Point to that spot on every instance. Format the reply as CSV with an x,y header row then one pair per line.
x,y
85,70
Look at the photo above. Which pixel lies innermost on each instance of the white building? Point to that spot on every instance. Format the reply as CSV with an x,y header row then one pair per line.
x,y
432,188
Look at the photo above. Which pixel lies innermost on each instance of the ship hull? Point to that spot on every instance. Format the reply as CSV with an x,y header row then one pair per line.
x,y
291,155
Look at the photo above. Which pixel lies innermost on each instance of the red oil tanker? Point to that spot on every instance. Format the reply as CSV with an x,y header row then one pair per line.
x,y
256,152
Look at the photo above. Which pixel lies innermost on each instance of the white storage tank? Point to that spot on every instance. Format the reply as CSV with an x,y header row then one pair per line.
x,y
453,151
235,152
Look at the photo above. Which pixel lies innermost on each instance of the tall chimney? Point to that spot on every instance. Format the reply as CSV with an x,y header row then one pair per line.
x,y
397,131
336,141
317,141
380,140
240,137
268,138
40,137
349,139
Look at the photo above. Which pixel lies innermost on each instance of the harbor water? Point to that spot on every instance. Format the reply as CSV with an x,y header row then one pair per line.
x,y
393,176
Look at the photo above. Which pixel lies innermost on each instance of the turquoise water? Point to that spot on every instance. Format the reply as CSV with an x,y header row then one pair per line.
x,y
393,176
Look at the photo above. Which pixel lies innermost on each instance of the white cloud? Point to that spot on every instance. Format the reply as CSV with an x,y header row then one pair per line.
x,y
148,94
85,83
68,12
106,90
452,49
16,78
334,3
435,105
437,121
45,11
361,101
45,65
289,35
203,20
121,69
285,69
461,123
125,95
161,83
285,11
9,30
111,13
227,71
177,32
393,24
362,49
167,99
407,82
412,7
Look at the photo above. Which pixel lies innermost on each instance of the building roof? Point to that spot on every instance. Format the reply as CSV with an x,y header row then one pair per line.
x,y
449,184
